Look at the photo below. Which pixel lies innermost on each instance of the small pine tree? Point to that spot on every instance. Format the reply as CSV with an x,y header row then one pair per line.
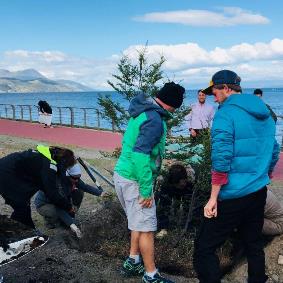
x,y
131,78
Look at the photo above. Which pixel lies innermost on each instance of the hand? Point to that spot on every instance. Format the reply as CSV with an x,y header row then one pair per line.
x,y
76,209
146,202
210,210
105,195
72,212
76,230
193,133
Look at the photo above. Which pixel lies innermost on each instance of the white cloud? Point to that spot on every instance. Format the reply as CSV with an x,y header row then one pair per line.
x,y
194,65
188,63
48,56
181,56
227,16
58,65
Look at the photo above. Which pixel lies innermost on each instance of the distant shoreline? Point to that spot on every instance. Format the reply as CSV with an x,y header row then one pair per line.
x,y
249,89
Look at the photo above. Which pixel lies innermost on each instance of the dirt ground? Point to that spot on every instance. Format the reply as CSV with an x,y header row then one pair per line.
x,y
66,259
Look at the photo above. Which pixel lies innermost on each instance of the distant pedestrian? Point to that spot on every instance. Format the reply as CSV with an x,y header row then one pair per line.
x,y
136,171
200,117
244,153
258,92
45,113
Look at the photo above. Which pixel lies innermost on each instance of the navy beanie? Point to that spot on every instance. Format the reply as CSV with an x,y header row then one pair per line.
x,y
171,94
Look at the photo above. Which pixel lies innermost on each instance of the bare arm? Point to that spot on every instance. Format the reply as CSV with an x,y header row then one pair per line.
x,y
210,210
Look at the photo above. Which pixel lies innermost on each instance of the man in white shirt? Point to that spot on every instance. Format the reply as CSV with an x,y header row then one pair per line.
x,y
201,116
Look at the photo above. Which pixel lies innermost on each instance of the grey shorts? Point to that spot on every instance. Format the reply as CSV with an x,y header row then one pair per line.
x,y
139,219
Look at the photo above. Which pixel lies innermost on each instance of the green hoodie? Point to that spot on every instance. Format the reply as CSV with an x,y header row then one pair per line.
x,y
143,144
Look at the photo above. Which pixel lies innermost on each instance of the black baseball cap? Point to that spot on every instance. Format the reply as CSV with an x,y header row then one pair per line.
x,y
222,77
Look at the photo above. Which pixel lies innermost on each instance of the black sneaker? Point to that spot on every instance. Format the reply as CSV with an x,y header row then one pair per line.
x,y
156,279
130,268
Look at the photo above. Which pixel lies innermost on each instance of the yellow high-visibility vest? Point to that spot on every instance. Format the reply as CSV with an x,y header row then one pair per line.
x,y
44,150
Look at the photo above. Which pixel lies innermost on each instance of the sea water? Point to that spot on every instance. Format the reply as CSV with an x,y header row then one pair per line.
x,y
271,96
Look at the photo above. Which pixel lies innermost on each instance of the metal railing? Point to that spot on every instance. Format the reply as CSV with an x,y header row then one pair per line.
x,y
67,116
71,116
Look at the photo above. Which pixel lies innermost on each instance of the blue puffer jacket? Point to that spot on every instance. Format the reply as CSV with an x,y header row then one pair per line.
x,y
243,145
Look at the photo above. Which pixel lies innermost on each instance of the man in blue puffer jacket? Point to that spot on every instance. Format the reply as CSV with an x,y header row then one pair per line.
x,y
244,153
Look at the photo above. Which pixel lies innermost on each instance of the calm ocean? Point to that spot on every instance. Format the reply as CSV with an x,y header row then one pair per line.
x,y
273,97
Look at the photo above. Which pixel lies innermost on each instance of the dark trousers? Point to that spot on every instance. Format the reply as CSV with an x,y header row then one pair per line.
x,y
21,213
246,214
167,211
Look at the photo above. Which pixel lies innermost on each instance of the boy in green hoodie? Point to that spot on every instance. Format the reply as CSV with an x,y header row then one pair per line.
x,y
135,173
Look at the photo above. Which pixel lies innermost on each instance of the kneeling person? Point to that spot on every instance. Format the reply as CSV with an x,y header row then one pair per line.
x,y
174,190
273,216
22,174
72,188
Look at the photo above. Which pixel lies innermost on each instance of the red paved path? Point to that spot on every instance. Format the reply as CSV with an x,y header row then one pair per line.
x,y
86,138
278,172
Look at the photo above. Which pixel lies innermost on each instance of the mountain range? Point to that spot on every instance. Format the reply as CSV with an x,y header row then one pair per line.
x,y
31,80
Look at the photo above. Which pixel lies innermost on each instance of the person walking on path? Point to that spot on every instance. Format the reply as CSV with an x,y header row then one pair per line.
x,y
258,92
135,173
244,153
45,113
200,117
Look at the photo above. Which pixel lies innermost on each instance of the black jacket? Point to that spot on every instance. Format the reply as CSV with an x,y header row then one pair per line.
x,y
22,174
44,107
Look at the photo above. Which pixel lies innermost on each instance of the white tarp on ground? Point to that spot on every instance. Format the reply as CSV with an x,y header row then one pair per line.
x,y
20,248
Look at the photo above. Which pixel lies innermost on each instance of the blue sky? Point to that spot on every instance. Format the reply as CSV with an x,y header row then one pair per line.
x,y
99,31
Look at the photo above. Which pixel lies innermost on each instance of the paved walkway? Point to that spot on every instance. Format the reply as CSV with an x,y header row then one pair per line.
x,y
87,138
278,172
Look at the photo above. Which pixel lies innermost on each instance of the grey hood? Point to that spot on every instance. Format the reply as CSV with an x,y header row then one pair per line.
x,y
142,103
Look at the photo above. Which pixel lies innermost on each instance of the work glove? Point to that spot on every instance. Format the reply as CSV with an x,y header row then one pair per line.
x,y
76,230
105,195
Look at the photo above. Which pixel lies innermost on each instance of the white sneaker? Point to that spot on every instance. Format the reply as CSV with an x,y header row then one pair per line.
x,y
161,234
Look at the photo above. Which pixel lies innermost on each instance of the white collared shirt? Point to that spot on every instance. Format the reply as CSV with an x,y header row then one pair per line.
x,y
201,116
